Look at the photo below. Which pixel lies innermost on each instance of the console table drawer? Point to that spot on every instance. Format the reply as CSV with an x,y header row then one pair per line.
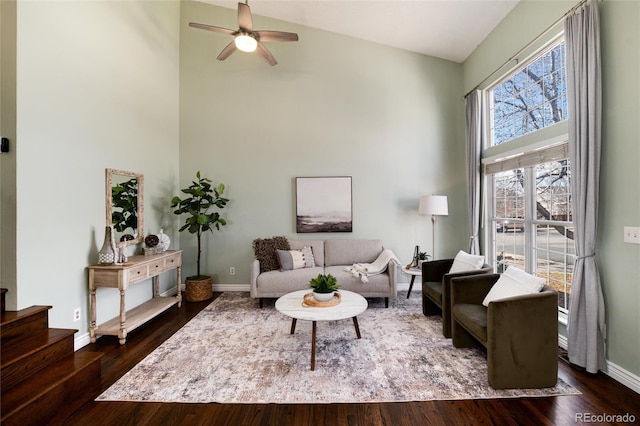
x,y
156,267
138,273
173,261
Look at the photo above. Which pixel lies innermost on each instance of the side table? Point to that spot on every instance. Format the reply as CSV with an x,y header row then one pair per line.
x,y
414,272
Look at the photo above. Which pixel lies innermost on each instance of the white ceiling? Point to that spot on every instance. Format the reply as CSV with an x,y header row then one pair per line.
x,y
448,29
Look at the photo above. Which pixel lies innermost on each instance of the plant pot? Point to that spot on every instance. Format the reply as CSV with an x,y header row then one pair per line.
x,y
323,297
198,289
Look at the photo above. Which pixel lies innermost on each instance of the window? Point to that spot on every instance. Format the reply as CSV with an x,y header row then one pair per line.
x,y
530,99
529,218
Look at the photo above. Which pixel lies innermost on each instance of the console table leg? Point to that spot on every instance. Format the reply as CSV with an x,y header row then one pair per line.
x,y
179,286
92,309
313,346
122,334
355,324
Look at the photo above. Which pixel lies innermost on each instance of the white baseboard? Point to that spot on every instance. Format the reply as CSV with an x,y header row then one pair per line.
x,y
613,370
231,287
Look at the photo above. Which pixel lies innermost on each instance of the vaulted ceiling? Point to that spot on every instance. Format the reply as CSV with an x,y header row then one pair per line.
x,y
447,29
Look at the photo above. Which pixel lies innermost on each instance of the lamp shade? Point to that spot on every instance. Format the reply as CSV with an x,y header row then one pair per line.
x,y
434,205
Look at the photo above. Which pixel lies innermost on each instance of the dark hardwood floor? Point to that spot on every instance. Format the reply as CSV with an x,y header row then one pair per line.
x,y
601,395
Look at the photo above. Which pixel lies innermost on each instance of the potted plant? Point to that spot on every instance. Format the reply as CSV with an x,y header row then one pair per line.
x,y
422,257
324,285
202,197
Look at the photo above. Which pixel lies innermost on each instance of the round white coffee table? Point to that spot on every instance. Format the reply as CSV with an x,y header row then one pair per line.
x,y
351,305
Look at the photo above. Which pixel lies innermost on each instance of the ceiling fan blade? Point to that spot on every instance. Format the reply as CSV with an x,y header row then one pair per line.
x,y
266,54
231,47
275,36
212,28
244,18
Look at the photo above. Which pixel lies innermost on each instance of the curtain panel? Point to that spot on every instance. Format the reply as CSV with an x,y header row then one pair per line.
x,y
474,147
586,323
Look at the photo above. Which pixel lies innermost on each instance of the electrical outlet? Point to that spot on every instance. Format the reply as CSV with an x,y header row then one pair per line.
x,y
631,235
76,314
232,270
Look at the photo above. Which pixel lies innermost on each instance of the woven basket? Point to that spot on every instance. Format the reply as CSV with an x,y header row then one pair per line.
x,y
198,290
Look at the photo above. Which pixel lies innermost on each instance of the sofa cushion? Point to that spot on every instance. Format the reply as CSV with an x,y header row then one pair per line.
x,y
513,282
278,283
466,262
348,252
473,318
265,251
377,284
434,290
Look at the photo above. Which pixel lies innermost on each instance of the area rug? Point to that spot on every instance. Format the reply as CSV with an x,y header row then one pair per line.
x,y
235,352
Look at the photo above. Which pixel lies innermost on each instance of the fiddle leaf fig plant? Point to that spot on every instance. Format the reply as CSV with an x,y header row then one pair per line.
x,y
202,196
324,283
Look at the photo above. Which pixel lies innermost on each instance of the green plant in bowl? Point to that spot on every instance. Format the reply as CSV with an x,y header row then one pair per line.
x,y
324,285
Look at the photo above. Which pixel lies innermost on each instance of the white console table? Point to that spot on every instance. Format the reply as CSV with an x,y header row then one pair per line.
x,y
137,269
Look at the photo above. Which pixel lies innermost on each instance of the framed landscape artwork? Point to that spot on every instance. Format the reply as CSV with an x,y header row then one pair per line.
x,y
323,204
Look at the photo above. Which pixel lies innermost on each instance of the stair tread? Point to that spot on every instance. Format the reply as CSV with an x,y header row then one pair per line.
x,y
24,345
9,317
24,393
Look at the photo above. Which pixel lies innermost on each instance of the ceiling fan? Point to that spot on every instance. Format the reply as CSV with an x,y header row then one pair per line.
x,y
245,38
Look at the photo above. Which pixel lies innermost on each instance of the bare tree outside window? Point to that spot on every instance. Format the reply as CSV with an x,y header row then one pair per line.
x,y
533,98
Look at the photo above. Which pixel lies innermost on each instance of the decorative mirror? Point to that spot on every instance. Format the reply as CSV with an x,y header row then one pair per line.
x,y
125,206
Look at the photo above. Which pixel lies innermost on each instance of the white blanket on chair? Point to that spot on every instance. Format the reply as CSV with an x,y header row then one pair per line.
x,y
364,270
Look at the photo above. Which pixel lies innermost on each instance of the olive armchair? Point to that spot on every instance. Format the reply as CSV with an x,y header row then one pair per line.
x,y
436,289
520,333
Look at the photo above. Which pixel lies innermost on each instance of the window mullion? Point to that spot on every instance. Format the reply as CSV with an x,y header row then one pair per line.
x,y
529,217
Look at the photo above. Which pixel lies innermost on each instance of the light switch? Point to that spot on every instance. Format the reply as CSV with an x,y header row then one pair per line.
x,y
631,235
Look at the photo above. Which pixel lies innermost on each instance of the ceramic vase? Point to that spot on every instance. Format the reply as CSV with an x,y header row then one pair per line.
x,y
108,252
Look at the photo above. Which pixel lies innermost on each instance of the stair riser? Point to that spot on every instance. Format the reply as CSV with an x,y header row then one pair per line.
x,y
27,325
66,397
31,364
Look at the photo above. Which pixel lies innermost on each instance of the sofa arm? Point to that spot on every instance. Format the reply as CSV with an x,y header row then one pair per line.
x,y
392,268
255,271
472,289
522,340
434,271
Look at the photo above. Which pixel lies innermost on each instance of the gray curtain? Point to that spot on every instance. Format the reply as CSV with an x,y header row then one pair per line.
x,y
474,146
586,310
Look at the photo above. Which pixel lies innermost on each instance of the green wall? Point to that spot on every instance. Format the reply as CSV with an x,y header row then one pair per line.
x,y
333,106
619,263
97,87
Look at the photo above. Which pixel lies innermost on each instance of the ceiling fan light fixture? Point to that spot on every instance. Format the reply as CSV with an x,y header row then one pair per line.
x,y
246,43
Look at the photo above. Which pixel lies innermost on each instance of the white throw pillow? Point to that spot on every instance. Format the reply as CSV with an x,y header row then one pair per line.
x,y
514,282
466,262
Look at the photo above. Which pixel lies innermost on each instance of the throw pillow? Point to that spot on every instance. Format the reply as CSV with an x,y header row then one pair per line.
x,y
513,282
290,259
309,260
466,262
295,259
265,251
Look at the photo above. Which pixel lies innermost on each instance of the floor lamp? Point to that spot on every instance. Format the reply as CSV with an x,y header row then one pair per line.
x,y
434,205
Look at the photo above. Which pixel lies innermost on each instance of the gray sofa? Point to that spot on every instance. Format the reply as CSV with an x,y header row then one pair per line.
x,y
331,257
